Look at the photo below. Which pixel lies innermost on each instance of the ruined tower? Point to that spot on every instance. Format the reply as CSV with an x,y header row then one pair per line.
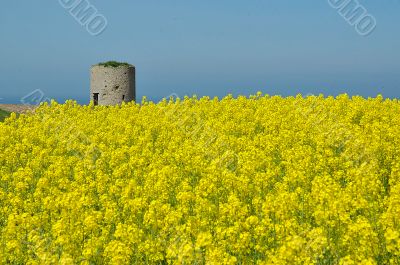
x,y
112,83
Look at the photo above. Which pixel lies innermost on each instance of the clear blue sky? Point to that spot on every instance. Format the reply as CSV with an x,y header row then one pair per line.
x,y
201,47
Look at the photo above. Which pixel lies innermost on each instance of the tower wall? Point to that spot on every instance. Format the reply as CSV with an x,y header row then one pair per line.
x,y
113,85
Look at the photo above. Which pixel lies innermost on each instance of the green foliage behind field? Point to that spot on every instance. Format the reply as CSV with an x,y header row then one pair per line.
x,y
3,114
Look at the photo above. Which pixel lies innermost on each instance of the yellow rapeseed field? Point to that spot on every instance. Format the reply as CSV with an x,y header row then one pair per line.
x,y
247,180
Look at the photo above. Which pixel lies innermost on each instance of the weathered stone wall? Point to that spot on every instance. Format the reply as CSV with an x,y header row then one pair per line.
x,y
113,84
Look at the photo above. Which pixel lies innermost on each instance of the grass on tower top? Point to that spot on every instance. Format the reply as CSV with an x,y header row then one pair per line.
x,y
113,64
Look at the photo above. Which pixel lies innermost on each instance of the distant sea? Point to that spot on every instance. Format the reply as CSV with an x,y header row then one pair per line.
x,y
80,100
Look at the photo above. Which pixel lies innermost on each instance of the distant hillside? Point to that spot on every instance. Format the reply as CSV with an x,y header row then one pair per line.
x,y
7,109
17,108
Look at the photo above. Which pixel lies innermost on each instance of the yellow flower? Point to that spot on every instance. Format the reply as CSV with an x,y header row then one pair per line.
x,y
257,180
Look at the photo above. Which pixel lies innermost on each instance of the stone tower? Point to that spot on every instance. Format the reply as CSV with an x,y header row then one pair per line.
x,y
112,83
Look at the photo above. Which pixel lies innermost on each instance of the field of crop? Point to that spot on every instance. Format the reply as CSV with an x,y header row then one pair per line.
x,y
258,180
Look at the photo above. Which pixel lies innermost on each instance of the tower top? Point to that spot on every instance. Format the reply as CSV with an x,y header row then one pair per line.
x,y
114,64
